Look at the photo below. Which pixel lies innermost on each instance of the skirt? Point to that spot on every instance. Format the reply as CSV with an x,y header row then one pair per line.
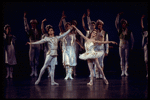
x,y
91,55
69,56
10,57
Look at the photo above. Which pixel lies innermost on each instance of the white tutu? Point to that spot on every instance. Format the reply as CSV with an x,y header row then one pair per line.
x,y
91,55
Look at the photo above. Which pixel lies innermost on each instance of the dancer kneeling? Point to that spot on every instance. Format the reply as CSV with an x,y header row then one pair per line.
x,y
92,56
51,54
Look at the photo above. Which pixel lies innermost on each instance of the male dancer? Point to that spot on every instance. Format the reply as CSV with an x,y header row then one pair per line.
x,y
34,35
124,35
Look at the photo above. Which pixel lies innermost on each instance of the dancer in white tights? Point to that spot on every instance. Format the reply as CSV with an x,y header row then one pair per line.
x,y
51,56
92,56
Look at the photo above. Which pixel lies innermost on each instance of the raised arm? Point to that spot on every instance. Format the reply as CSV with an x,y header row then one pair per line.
x,y
83,24
80,32
26,25
142,26
60,25
117,21
42,26
89,20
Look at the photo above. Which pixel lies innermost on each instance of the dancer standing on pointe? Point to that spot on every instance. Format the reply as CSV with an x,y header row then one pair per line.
x,y
51,56
34,35
10,58
92,56
145,43
125,35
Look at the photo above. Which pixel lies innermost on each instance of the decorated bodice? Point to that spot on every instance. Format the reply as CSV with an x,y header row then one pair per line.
x,y
89,46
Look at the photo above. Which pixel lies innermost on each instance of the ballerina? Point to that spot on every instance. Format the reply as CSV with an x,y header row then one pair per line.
x,y
92,56
51,56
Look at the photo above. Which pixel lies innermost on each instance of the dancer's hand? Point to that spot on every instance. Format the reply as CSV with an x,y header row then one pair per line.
x,y
143,16
121,13
88,12
25,13
44,20
27,43
83,16
113,42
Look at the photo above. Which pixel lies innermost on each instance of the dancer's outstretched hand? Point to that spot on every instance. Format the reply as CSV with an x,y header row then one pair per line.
x,y
113,42
27,43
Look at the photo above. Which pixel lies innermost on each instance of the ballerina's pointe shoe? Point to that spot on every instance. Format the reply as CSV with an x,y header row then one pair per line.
x,y
106,81
37,82
54,83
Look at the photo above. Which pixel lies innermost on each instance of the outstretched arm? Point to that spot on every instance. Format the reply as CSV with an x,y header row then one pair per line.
x,y
105,42
80,32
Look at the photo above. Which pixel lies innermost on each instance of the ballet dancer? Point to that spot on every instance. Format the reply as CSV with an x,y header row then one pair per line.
x,y
34,51
68,49
78,39
145,43
45,45
125,35
91,55
10,58
51,57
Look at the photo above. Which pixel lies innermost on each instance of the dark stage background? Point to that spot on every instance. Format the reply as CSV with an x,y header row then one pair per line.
x,y
106,11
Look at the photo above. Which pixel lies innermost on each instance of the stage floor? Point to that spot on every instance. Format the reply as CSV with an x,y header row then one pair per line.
x,y
118,87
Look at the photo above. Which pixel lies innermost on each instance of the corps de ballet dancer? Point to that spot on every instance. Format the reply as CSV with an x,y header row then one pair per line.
x,y
145,43
68,49
91,55
9,49
125,35
34,50
51,56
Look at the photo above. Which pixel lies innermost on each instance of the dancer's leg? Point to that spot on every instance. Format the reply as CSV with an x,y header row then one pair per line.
x,y
8,71
90,65
52,72
126,61
47,61
121,53
70,72
101,71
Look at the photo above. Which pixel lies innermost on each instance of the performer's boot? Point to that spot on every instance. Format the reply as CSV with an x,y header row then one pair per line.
x,y
70,73
8,72
67,73
32,72
125,72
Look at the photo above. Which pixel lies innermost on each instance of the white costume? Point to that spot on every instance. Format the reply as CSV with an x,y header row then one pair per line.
x,y
124,36
102,47
70,50
34,51
90,52
51,57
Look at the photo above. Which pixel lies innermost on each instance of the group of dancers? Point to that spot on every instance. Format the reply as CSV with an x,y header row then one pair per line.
x,y
96,46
